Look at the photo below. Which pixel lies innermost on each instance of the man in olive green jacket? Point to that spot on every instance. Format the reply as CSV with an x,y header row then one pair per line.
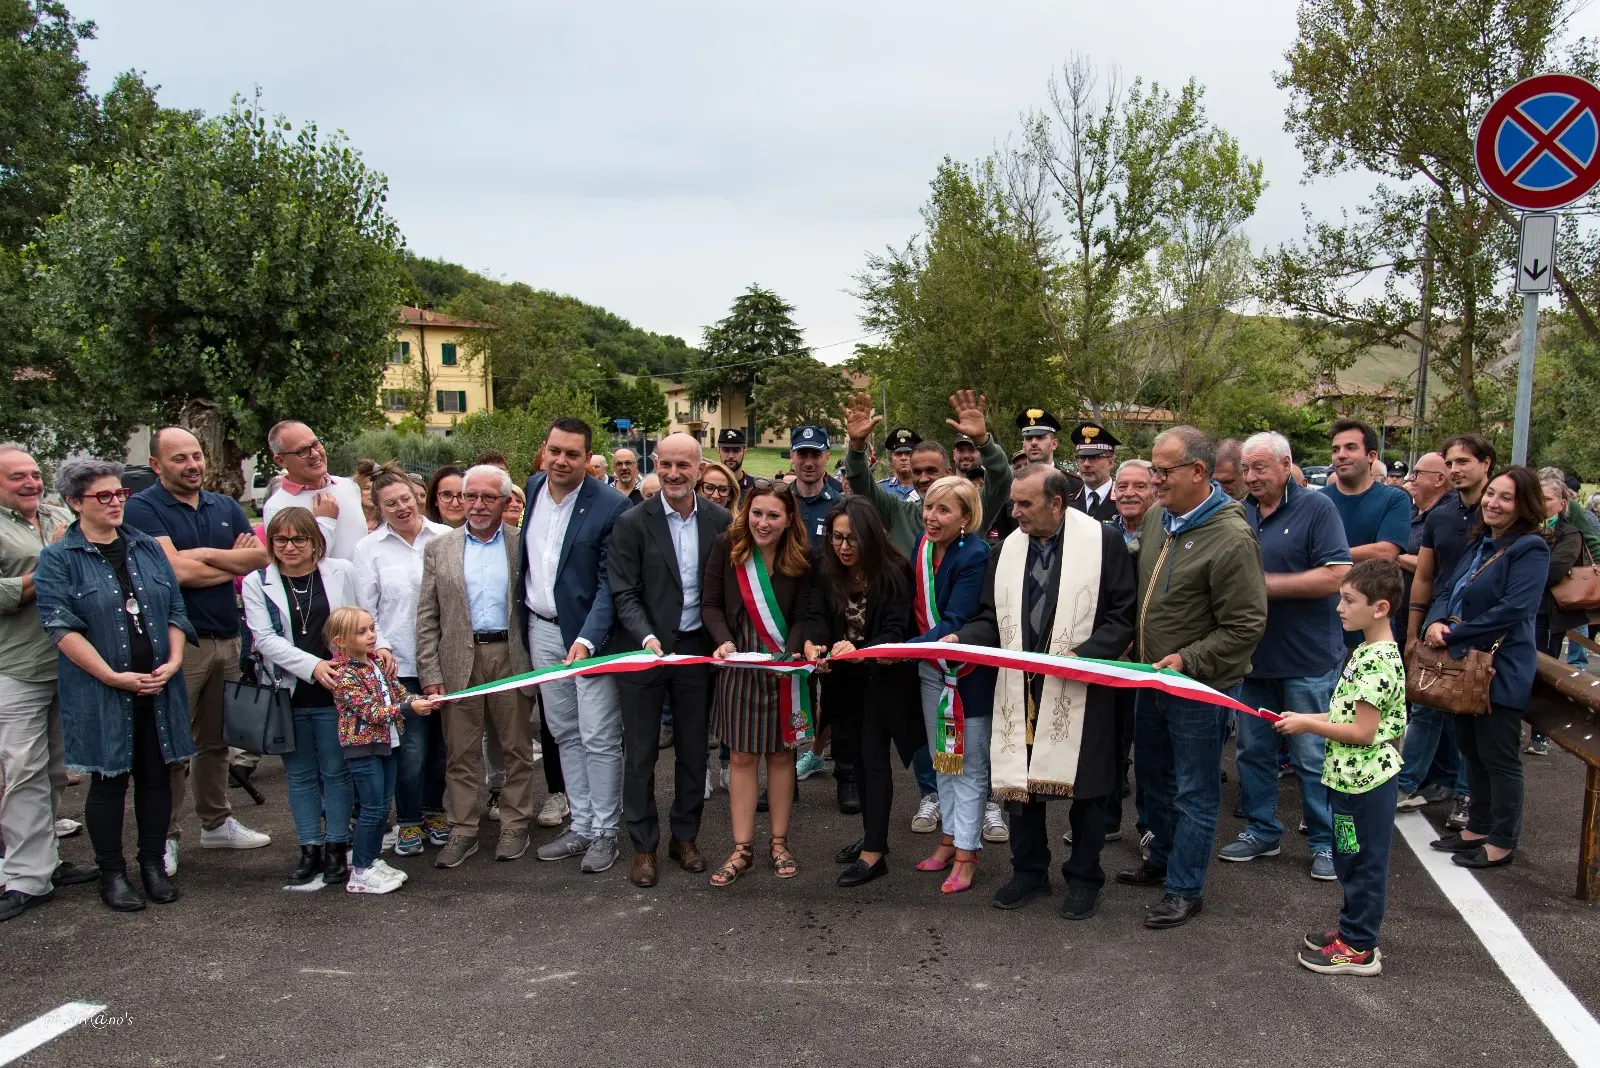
x,y
902,518
1202,610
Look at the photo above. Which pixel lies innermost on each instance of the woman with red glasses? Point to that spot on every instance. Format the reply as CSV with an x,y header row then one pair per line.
x,y
109,599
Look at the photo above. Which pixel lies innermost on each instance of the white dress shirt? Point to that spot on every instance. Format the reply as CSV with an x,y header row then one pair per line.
x,y
341,534
686,543
543,533
388,580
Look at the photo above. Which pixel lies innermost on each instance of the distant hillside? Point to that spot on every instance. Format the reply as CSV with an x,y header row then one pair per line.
x,y
611,338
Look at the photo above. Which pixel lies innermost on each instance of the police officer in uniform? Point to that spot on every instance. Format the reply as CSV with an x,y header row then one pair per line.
x,y
898,446
815,490
1097,456
1039,429
730,449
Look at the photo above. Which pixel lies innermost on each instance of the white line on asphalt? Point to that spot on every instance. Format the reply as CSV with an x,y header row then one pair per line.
x,y
1562,1013
53,1024
326,971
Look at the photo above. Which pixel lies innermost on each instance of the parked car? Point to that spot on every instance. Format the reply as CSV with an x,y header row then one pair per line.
x,y
1317,475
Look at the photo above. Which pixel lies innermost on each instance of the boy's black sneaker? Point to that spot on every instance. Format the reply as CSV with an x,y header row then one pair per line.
x,y
1317,941
1336,958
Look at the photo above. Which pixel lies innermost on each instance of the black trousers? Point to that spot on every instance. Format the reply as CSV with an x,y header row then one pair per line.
x,y
1126,702
891,715
152,797
554,780
843,696
1492,747
643,696
1363,830
1030,841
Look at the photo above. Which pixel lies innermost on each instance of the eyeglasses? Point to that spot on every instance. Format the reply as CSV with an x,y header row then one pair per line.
x,y
769,485
105,497
709,490
446,495
285,541
844,539
486,498
1161,474
306,452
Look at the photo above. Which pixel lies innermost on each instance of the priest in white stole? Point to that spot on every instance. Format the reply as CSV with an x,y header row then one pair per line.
x,y
1060,583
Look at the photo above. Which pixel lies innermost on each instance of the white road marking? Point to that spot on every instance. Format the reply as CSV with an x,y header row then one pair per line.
x,y
53,1024
1561,1012
326,971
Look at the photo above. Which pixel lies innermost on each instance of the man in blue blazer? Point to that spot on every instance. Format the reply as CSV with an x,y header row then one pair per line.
x,y
568,595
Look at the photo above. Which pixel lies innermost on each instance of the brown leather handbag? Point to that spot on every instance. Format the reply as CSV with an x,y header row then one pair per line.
x,y
1580,590
1438,680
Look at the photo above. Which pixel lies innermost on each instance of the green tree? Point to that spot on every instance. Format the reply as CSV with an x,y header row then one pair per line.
x,y
756,333
519,432
1395,89
648,406
233,273
959,306
801,391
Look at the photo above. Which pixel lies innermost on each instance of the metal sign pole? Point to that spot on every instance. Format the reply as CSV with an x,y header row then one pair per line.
x,y
1530,339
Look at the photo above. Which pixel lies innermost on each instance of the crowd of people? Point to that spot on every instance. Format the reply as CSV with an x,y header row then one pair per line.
x,y
360,602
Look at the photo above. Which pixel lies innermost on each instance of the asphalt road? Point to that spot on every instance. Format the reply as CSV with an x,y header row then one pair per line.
x,y
525,963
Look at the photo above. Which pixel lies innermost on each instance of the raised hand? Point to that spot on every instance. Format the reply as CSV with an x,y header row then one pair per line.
x,y
969,408
859,420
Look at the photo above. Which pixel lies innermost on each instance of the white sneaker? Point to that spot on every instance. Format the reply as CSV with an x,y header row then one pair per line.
x,y
722,776
383,865
373,880
231,834
994,824
66,828
389,840
927,818
555,811
169,858
711,782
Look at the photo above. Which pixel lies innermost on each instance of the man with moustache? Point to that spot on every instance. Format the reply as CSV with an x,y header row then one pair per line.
x,y
656,564
899,445
1096,448
625,462
209,543
335,501
1134,497
731,450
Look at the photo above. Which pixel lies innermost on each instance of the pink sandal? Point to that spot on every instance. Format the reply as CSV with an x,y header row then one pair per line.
x,y
939,860
963,871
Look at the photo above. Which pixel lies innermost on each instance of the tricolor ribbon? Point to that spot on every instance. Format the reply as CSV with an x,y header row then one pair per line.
x,y
949,741
755,586
1116,673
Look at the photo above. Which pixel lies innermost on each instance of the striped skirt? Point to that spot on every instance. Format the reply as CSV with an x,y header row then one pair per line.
x,y
748,713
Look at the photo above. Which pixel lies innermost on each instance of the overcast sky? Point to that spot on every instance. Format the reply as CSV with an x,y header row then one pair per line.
x,y
656,158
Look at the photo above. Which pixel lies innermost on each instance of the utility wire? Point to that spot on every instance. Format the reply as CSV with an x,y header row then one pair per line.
x,y
764,359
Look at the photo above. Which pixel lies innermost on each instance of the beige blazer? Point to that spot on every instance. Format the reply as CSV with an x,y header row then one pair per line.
x,y
444,620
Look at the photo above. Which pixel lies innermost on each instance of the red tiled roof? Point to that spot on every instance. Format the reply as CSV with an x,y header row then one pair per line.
x,y
411,316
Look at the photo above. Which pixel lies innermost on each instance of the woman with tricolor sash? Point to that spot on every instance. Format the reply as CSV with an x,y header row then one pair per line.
x,y
948,571
861,597
754,599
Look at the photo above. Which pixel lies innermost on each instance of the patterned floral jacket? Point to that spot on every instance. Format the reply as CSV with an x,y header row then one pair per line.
x,y
365,714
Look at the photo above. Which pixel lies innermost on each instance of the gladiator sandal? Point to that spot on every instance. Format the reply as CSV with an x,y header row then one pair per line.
x,y
783,862
741,860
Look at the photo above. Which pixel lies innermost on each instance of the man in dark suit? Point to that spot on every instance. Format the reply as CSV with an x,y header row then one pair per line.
x,y
563,583
656,563
1097,455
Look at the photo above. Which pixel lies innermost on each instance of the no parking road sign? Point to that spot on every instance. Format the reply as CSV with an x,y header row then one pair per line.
x,y
1539,145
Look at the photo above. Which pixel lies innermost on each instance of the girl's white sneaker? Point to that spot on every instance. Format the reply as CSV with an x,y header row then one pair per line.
x,y
373,880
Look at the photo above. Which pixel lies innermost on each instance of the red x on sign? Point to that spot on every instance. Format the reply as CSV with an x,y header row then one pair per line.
x,y
1538,146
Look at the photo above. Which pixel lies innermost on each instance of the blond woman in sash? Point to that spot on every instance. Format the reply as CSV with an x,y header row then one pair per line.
x,y
756,591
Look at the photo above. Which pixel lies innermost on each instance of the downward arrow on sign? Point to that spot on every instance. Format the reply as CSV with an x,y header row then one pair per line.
x,y
1535,272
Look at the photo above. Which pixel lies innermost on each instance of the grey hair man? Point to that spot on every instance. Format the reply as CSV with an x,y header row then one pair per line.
x,y
31,762
1296,665
1227,472
335,501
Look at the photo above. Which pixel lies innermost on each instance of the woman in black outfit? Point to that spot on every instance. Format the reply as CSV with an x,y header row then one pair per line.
x,y
861,596
1550,626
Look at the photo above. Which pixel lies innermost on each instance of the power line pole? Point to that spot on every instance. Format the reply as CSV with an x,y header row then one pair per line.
x,y
1420,408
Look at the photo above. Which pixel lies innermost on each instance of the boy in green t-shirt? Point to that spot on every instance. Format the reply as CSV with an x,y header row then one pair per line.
x,y
1364,720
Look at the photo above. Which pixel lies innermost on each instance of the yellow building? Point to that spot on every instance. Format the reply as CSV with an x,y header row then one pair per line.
x,y
432,360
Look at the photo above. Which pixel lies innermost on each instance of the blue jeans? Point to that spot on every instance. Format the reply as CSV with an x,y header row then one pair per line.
x,y
319,782
1257,755
961,797
373,779
419,765
922,771
1577,655
1177,756
1431,740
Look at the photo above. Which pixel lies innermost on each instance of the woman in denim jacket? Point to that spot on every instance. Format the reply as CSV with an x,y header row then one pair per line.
x,y
109,599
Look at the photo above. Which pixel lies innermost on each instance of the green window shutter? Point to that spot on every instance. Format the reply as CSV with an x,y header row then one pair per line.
x,y
447,354
461,400
438,398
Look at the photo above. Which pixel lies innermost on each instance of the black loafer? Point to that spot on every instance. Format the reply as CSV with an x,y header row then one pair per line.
x,y
1081,903
1479,858
1143,875
859,872
157,887
70,874
850,853
1018,892
1173,911
1454,843
118,893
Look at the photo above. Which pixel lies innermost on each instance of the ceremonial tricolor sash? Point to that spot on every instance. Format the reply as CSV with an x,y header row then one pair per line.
x,y
755,586
950,722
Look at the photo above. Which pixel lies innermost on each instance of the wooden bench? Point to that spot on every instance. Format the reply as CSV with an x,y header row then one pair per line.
x,y
1566,707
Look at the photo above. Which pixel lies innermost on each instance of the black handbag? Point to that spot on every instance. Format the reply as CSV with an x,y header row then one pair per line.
x,y
257,719
257,715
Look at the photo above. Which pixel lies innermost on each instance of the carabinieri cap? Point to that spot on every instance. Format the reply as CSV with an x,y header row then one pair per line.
x,y
1036,421
1092,439
901,440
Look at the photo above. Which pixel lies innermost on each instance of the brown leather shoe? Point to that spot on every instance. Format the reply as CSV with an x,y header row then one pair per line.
x,y
644,870
687,854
